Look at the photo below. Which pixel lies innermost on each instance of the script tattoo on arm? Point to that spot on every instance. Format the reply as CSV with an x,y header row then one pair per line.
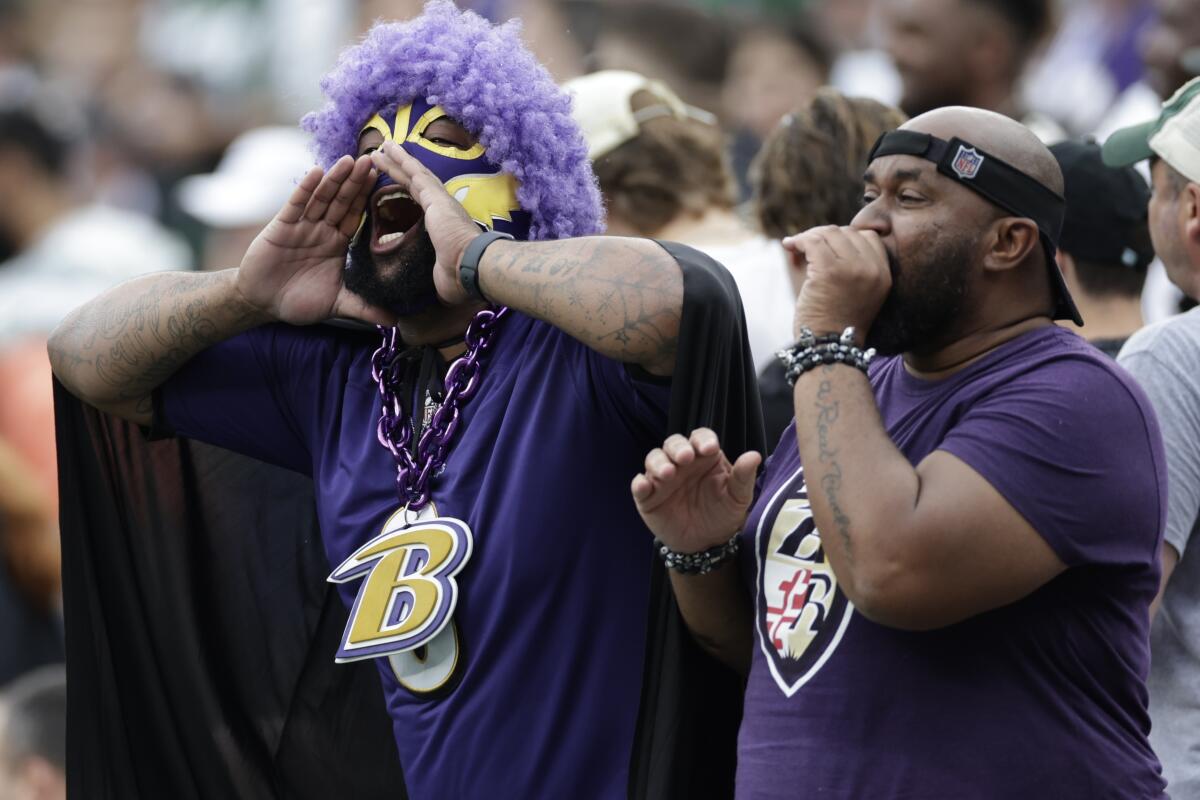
x,y
114,351
831,481
621,297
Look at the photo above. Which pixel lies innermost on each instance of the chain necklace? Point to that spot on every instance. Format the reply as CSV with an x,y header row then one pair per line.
x,y
417,466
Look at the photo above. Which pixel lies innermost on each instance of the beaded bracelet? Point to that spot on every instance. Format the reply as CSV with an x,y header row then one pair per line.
x,y
700,563
811,351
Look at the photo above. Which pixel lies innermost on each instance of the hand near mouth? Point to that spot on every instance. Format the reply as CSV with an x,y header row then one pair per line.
x,y
449,226
293,269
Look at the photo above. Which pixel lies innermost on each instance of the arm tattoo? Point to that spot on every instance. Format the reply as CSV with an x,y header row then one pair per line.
x,y
622,298
125,344
831,481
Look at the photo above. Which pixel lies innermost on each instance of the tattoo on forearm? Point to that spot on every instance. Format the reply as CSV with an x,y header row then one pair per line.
x,y
134,342
618,297
831,481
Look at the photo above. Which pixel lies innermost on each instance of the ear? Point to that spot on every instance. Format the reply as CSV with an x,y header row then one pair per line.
x,y
1189,212
1013,240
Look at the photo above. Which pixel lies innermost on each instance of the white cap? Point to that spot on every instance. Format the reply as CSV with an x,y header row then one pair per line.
x,y
602,106
256,176
1177,142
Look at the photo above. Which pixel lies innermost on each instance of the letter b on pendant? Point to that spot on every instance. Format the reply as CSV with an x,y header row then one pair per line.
x,y
407,598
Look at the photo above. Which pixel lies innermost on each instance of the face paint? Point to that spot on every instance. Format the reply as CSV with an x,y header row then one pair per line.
x,y
488,195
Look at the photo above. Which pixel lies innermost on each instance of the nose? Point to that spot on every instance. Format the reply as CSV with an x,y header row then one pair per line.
x,y
872,217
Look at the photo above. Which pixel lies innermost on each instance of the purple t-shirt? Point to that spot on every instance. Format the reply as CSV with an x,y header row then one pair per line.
x,y
536,685
1043,698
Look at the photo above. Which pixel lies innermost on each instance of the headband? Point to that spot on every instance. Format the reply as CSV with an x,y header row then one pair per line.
x,y
997,181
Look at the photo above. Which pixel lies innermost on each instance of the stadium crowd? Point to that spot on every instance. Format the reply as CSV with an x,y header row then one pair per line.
x,y
960,570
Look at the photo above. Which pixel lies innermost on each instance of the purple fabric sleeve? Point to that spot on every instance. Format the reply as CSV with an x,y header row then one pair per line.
x,y
624,394
1051,443
249,394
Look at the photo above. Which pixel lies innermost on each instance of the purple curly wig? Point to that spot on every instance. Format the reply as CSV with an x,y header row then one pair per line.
x,y
485,78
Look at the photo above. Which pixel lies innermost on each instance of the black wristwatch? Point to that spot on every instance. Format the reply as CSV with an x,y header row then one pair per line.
x,y
468,268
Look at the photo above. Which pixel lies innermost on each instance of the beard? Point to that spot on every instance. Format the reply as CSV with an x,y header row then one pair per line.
x,y
407,288
926,300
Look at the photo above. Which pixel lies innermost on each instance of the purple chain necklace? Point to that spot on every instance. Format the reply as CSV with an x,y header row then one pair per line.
x,y
416,467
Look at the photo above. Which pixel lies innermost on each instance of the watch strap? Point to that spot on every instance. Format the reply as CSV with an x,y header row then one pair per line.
x,y
468,268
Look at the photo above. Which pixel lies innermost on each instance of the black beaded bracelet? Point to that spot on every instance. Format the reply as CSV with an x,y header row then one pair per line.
x,y
700,563
811,351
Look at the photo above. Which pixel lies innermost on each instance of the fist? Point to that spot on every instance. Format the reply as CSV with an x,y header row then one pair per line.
x,y
847,280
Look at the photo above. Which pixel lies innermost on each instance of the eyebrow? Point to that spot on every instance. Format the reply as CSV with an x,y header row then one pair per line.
x,y
911,174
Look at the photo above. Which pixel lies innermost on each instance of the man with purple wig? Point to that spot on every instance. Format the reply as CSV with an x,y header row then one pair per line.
x,y
471,471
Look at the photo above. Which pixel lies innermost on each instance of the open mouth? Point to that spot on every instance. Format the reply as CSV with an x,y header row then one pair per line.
x,y
395,219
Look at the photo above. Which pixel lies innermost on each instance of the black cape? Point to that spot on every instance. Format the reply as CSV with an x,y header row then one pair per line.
x,y
200,630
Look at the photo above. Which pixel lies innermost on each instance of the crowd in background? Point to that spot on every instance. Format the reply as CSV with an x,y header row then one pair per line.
x,y
140,135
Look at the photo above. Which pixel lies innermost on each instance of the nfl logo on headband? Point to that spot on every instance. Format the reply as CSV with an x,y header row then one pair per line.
x,y
966,162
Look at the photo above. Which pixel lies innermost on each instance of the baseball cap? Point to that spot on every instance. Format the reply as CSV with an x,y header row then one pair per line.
x,y
1105,222
603,107
255,177
1174,136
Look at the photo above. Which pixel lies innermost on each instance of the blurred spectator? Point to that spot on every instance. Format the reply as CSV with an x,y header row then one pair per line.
x,y
1170,48
861,67
33,736
1104,248
1165,358
968,53
254,179
809,173
685,48
663,173
1092,58
68,249
1171,45
30,569
774,66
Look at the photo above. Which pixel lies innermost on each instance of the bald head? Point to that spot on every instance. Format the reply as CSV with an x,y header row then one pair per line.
x,y
999,135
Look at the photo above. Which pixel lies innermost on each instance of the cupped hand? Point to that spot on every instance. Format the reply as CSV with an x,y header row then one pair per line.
x,y
293,269
449,226
847,278
690,496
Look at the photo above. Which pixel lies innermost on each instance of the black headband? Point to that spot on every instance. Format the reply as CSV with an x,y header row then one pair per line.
x,y
997,181
983,173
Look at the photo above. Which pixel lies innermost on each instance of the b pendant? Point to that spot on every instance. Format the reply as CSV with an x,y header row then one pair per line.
x,y
409,591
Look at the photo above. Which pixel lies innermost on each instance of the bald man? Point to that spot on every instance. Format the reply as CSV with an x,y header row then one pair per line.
x,y
950,572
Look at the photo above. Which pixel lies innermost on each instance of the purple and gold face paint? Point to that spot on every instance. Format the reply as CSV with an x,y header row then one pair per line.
x,y
488,195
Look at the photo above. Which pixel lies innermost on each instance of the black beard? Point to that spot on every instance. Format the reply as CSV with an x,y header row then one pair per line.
x,y
408,289
925,302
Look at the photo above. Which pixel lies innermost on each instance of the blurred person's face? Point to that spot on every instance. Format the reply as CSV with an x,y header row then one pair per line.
x,y
928,224
929,41
84,43
1171,211
30,778
391,258
1175,30
767,77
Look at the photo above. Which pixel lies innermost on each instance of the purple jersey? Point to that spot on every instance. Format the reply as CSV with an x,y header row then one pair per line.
x,y
534,691
1043,698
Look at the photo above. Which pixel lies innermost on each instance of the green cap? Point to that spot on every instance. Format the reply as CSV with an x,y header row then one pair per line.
x,y
1172,136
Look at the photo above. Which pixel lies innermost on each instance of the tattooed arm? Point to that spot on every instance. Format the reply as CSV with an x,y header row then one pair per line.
x,y
913,547
621,297
115,350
